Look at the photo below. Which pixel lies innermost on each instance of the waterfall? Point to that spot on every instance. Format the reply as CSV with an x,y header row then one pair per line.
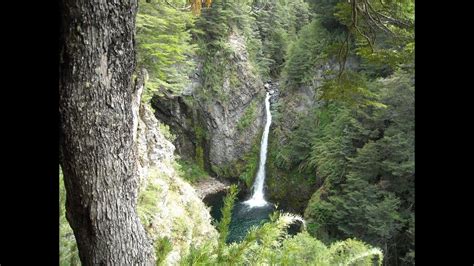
x,y
257,199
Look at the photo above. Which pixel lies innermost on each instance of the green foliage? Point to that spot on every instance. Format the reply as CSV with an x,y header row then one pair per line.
x,y
267,27
305,53
363,149
190,171
165,130
244,168
288,152
332,143
277,22
212,30
381,40
223,225
251,162
361,132
382,35
248,117
201,137
200,156
163,45
329,144
295,152
324,11
199,255
68,253
147,205
270,244
352,251
350,88
366,156
302,249
163,247
226,171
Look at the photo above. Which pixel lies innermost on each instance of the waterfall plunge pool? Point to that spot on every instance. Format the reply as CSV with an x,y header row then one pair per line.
x,y
243,216
256,209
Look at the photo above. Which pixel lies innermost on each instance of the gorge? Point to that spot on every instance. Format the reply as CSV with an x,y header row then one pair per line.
x,y
255,210
256,133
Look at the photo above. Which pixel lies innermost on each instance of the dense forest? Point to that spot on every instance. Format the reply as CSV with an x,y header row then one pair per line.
x,y
253,132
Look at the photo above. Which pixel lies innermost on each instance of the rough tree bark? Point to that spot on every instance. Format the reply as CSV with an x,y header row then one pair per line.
x,y
97,61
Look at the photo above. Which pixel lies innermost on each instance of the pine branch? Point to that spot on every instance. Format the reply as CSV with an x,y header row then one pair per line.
x,y
187,8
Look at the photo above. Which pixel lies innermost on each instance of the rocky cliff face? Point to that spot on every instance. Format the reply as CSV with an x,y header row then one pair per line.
x,y
231,137
218,131
168,206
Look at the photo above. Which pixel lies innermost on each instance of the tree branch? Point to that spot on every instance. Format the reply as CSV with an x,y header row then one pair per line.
x,y
177,8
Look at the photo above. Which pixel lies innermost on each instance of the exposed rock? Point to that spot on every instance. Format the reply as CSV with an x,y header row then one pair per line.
x,y
180,116
194,78
152,146
208,129
209,186
274,91
180,214
298,102
227,143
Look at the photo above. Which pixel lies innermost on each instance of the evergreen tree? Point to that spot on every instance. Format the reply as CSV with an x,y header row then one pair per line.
x,y
270,244
373,198
304,54
277,23
164,45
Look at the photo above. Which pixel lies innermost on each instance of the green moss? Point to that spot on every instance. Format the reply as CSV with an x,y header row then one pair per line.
x,y
227,171
234,79
147,204
200,156
287,183
200,132
190,171
248,116
216,56
243,169
201,138
163,247
251,165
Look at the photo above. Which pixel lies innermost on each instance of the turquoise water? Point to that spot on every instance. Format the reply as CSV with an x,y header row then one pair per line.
x,y
243,217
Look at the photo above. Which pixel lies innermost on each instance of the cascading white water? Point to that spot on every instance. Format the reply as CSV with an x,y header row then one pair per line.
x,y
257,199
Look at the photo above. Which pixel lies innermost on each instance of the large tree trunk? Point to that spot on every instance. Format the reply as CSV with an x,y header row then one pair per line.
x,y
96,132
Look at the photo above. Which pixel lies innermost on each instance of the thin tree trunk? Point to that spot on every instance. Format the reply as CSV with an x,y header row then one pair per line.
x,y
97,61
